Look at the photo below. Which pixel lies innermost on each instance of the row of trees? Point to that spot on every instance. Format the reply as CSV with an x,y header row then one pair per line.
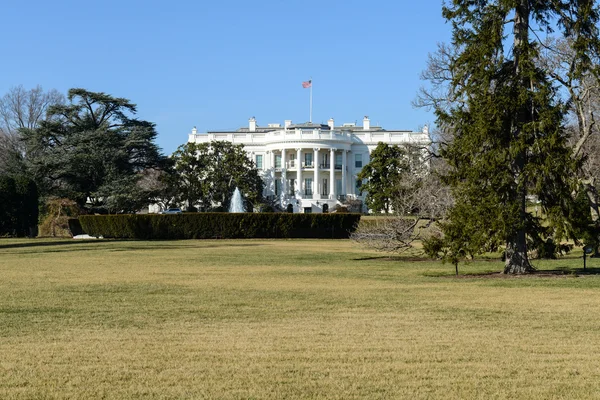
x,y
90,148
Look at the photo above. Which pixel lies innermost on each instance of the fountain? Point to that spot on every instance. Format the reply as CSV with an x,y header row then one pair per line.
x,y
237,204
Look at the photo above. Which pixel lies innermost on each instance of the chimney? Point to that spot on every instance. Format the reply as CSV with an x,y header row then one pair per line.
x,y
252,124
330,123
287,123
426,130
366,123
194,131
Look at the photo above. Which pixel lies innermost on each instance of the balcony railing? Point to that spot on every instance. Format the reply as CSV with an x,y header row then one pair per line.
x,y
338,166
307,164
325,165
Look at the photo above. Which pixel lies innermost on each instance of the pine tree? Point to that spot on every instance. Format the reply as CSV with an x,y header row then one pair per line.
x,y
509,140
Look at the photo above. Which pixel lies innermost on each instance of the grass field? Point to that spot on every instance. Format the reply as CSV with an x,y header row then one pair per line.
x,y
286,319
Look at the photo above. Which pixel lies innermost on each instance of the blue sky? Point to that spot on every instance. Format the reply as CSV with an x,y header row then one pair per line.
x,y
215,64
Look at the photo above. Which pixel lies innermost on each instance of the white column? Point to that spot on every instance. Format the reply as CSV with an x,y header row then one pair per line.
x,y
271,171
316,194
299,172
332,174
283,175
344,175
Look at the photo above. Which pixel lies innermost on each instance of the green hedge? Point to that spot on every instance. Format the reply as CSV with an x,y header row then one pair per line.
x,y
220,225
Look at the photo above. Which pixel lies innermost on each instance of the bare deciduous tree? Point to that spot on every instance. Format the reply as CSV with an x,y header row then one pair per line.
x,y
21,108
419,201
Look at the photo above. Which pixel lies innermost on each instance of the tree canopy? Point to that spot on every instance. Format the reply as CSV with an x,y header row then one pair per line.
x,y
206,174
507,121
381,176
92,150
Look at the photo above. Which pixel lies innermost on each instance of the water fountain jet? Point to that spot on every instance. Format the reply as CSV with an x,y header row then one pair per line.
x,y
237,204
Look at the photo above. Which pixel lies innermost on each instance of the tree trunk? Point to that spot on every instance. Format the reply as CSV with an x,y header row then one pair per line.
x,y
517,261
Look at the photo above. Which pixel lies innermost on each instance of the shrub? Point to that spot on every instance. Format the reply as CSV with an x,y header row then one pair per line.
x,y
18,206
220,225
56,221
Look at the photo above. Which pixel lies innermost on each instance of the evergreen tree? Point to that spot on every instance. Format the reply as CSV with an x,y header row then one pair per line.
x,y
18,206
509,140
381,176
189,175
91,150
206,174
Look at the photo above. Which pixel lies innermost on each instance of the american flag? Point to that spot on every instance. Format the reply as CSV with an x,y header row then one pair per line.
x,y
307,84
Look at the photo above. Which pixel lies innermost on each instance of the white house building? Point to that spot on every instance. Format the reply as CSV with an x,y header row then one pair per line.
x,y
312,167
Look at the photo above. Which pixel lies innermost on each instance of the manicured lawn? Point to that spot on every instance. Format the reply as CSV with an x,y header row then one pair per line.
x,y
286,319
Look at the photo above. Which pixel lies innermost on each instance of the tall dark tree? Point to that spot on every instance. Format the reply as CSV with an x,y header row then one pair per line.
x,y
92,150
381,175
231,168
508,135
189,177
18,206
206,174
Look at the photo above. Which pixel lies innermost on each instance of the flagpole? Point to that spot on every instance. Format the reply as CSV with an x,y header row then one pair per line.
x,y
310,116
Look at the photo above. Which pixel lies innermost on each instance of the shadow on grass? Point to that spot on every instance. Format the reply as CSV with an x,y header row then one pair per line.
x,y
562,272
77,244
35,243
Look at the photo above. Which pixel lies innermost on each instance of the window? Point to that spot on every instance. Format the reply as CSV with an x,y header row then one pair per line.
x,y
338,186
277,160
358,160
308,160
358,185
293,160
292,190
259,163
307,210
308,186
325,188
338,161
325,160
277,187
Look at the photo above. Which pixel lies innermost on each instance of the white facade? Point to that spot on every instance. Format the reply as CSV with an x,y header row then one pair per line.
x,y
312,167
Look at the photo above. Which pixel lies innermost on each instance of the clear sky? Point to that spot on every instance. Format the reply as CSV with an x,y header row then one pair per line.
x,y
215,64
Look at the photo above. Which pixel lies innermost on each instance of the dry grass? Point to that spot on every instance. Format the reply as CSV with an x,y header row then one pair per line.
x,y
285,319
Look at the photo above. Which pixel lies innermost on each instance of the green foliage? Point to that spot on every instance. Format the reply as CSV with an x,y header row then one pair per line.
x,y
380,176
221,225
18,206
92,150
206,174
509,140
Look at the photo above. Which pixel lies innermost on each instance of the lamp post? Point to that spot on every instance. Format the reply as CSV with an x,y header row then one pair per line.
x,y
586,250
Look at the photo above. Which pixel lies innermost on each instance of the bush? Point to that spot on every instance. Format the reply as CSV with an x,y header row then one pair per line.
x,y
56,222
18,206
221,225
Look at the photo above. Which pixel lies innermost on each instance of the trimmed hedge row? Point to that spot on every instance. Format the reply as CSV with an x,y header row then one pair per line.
x,y
220,225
